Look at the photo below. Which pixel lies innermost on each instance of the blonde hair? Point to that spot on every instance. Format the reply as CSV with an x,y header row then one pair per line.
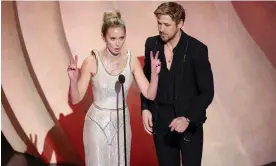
x,y
112,19
173,9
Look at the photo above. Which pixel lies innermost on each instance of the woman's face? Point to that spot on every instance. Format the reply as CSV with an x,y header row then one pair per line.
x,y
115,39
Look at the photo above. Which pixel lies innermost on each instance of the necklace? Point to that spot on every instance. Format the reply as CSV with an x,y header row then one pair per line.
x,y
169,60
112,66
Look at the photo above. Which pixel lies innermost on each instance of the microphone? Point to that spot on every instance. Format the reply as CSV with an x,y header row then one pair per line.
x,y
122,80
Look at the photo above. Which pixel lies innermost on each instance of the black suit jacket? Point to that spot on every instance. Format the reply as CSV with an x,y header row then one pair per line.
x,y
194,87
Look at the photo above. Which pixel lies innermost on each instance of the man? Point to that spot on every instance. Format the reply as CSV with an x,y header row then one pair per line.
x,y
185,90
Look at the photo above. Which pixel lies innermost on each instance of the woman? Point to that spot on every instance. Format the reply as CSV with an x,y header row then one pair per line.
x,y
103,133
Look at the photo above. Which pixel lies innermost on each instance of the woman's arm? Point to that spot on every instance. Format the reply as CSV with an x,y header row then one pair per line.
x,y
79,83
149,90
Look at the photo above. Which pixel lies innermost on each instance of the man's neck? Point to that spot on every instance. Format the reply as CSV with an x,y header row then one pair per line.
x,y
173,42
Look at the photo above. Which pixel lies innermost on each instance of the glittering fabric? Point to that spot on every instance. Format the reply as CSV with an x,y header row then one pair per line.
x,y
103,133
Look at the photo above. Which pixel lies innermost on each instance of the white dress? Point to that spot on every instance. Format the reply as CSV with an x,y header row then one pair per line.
x,y
103,133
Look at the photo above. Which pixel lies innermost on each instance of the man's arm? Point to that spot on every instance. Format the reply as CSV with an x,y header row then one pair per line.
x,y
205,83
147,72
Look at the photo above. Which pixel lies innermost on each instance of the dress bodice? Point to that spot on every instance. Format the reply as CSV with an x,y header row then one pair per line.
x,y
107,91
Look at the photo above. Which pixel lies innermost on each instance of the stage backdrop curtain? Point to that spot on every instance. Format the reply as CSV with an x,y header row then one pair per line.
x,y
38,39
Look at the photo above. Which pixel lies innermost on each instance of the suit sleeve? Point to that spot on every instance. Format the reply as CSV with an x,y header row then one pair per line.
x,y
204,80
147,71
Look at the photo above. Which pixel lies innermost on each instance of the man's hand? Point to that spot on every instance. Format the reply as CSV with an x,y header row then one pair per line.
x,y
147,121
179,124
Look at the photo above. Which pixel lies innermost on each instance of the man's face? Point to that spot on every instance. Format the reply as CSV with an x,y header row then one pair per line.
x,y
167,27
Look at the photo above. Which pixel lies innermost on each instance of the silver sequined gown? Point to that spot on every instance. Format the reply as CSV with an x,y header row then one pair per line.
x,y
103,133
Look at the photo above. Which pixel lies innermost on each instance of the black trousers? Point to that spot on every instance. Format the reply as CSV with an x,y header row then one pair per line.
x,y
171,145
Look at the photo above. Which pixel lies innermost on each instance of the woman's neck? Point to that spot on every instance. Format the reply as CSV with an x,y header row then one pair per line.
x,y
109,55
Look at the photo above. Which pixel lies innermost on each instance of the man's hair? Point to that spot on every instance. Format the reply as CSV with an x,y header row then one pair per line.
x,y
173,9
